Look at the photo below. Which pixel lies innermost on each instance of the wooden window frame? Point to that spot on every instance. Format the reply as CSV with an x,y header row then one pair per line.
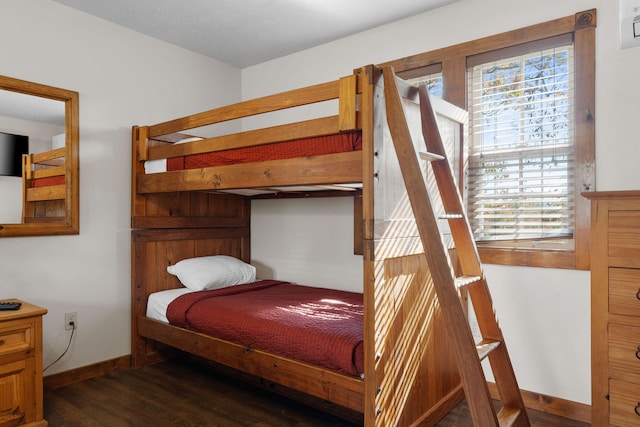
x,y
454,62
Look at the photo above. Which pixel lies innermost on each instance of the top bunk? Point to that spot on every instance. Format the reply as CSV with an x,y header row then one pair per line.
x,y
321,153
194,172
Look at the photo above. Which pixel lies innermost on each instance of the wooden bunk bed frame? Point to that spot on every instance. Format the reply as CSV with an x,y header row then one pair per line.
x,y
46,203
410,373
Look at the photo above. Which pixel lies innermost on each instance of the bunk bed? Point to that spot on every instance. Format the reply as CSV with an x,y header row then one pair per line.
x,y
182,212
43,186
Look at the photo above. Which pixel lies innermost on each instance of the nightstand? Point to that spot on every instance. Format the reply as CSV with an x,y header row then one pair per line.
x,y
21,366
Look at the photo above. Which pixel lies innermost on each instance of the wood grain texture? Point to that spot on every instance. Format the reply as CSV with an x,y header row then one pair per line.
x,y
615,319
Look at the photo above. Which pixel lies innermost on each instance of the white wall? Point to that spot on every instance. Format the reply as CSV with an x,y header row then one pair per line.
x,y
287,233
544,312
123,79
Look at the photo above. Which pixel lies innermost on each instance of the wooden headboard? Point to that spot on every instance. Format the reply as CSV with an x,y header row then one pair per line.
x,y
153,250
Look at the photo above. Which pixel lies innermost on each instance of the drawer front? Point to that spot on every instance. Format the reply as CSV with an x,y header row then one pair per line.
x,y
624,404
13,385
624,291
624,347
624,238
15,336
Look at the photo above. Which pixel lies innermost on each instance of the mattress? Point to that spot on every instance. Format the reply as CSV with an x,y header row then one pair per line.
x,y
320,326
336,143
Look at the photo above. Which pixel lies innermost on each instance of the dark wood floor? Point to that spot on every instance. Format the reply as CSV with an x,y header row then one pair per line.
x,y
178,393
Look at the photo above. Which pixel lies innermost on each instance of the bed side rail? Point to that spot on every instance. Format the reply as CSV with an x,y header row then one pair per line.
x,y
345,90
293,98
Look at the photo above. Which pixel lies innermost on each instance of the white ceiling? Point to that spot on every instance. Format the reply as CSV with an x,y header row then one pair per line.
x,y
243,33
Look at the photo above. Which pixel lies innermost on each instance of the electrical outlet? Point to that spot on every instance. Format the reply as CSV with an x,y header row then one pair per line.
x,y
70,321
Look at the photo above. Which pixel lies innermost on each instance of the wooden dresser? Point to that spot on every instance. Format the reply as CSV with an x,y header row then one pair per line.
x,y
21,366
615,308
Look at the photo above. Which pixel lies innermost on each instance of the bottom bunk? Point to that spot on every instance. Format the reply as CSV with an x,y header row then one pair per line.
x,y
153,252
340,392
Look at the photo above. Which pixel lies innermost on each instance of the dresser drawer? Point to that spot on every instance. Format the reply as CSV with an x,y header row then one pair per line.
x,y
624,347
624,404
624,291
624,238
16,336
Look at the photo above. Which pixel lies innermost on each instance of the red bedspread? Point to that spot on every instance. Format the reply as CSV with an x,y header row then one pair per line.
x,y
338,143
46,182
320,326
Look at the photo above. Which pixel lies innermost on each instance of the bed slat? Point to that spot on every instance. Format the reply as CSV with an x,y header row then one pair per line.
x,y
345,168
293,98
52,192
299,130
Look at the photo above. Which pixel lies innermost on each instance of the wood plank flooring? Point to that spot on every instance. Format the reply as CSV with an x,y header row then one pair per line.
x,y
179,393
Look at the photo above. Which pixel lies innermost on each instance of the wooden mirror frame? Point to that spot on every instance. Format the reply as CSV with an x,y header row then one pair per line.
x,y
42,224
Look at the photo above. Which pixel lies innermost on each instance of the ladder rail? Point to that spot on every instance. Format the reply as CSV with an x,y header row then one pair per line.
x,y
468,256
449,192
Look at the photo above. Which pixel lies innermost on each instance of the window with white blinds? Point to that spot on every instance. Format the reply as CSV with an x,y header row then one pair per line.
x,y
432,81
521,148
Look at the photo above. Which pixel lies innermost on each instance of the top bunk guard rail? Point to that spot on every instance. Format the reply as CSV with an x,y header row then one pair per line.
x,y
298,130
344,89
158,142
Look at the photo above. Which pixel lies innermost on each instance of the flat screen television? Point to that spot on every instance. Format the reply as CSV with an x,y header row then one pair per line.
x,y
12,147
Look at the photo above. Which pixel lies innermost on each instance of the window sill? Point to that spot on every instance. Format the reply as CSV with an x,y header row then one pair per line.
x,y
527,257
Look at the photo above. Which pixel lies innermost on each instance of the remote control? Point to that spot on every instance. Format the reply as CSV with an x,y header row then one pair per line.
x,y
9,305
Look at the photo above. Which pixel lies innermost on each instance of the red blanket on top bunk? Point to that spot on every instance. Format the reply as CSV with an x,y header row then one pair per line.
x,y
320,326
338,143
46,182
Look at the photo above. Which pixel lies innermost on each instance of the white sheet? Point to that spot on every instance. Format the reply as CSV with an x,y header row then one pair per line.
x,y
159,301
160,165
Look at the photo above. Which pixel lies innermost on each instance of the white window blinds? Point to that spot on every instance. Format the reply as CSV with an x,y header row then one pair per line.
x,y
432,81
521,149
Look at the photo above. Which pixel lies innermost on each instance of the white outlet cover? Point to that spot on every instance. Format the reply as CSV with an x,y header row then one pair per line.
x,y
629,23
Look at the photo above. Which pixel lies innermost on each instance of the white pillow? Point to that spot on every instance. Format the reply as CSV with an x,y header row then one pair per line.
x,y
212,272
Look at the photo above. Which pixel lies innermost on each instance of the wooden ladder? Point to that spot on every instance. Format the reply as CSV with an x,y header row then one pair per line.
x,y
447,285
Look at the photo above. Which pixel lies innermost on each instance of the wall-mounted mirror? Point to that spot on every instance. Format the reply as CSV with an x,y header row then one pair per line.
x,y
39,178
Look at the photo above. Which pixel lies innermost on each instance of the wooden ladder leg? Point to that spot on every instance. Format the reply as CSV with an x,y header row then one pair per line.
x,y
447,285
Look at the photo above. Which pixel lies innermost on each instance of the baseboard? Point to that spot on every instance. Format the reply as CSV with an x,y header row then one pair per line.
x,y
552,405
84,373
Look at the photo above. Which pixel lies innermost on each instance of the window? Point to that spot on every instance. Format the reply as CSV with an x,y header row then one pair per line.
x,y
520,181
433,82
530,148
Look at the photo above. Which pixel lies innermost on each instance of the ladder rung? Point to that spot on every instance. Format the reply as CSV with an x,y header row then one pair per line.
x,y
425,155
451,216
485,347
463,281
508,416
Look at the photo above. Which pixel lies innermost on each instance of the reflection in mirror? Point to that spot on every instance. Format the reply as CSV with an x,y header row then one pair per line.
x,y
28,124
38,159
